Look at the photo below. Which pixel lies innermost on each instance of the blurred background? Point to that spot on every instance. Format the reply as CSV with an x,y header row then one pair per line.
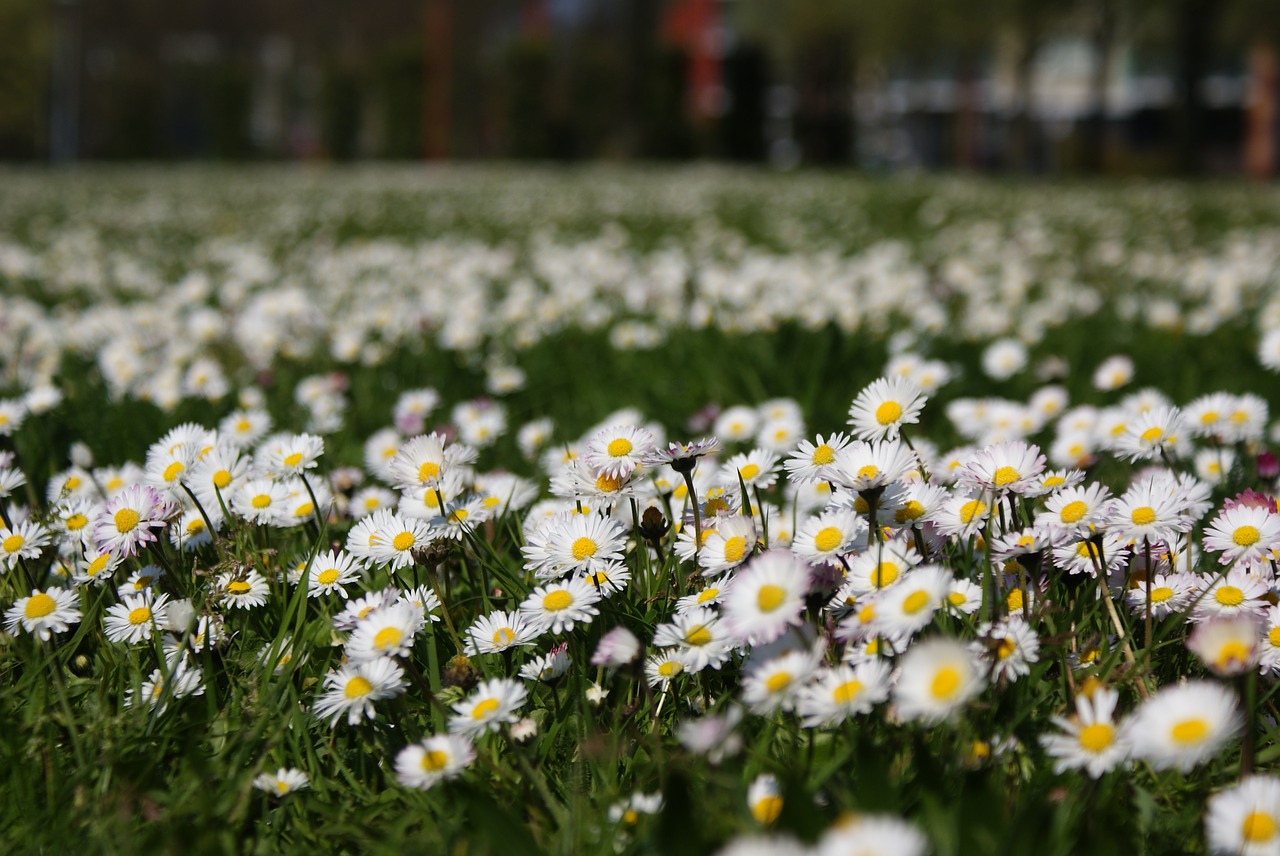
x,y
1153,87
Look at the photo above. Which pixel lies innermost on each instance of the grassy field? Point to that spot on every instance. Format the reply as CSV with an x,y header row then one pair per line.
x,y
923,656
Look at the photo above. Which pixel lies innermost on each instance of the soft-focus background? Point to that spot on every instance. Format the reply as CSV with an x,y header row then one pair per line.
x,y
1152,87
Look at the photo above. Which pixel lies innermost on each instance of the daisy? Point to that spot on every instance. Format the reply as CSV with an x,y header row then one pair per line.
x,y
124,524
1269,647
661,669
1244,820
616,648
387,632
1170,593
1084,557
330,573
1235,593
865,466
1011,467
1090,740
698,635
837,694
764,798
262,501
756,468
423,461
1148,511
713,736
393,540
774,684
766,597
1004,358
1011,645
1245,534
1112,373
1150,434
424,602
10,480
494,703
1184,725
823,539
936,678
243,428
629,810
283,781
437,759
44,613
243,589
1227,646
1247,419
459,519
96,566
352,690
557,607
497,632
159,689
549,666
738,423
683,457
574,542
905,609
135,618
617,450
815,462
368,500
412,408
23,541
881,409
880,568
964,596
873,835
141,580
962,516
1073,511
362,607
190,532
726,546
609,579
289,454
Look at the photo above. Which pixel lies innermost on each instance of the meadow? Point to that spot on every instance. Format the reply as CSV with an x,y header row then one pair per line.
x,y
498,510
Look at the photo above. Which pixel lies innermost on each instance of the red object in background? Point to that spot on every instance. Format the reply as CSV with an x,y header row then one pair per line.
x,y
534,19
1268,465
1260,113
695,25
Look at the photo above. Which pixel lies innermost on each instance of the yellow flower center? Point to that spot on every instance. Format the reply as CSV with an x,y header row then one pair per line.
x,y
846,692
304,510
1073,511
1151,435
387,637
749,472
503,636
126,519
956,598
770,597
710,594
172,471
74,482
767,809
884,574
860,505
357,687
140,615
911,510
1246,536
915,602
945,684
1258,827
13,543
433,760
1005,476
584,548
1160,594
828,539
1014,601
293,460
557,600
221,479
698,635
1190,731
670,669
428,471
39,605
971,509
778,682
1229,596
1052,481
619,448
1143,516
823,455
1232,654
1273,636
328,577
403,541
735,548
1097,737
889,412
238,587
1006,648
262,500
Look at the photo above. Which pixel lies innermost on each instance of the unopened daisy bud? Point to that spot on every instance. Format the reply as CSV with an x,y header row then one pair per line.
x,y
596,694
524,729
179,615
653,525
81,455
764,798
459,672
